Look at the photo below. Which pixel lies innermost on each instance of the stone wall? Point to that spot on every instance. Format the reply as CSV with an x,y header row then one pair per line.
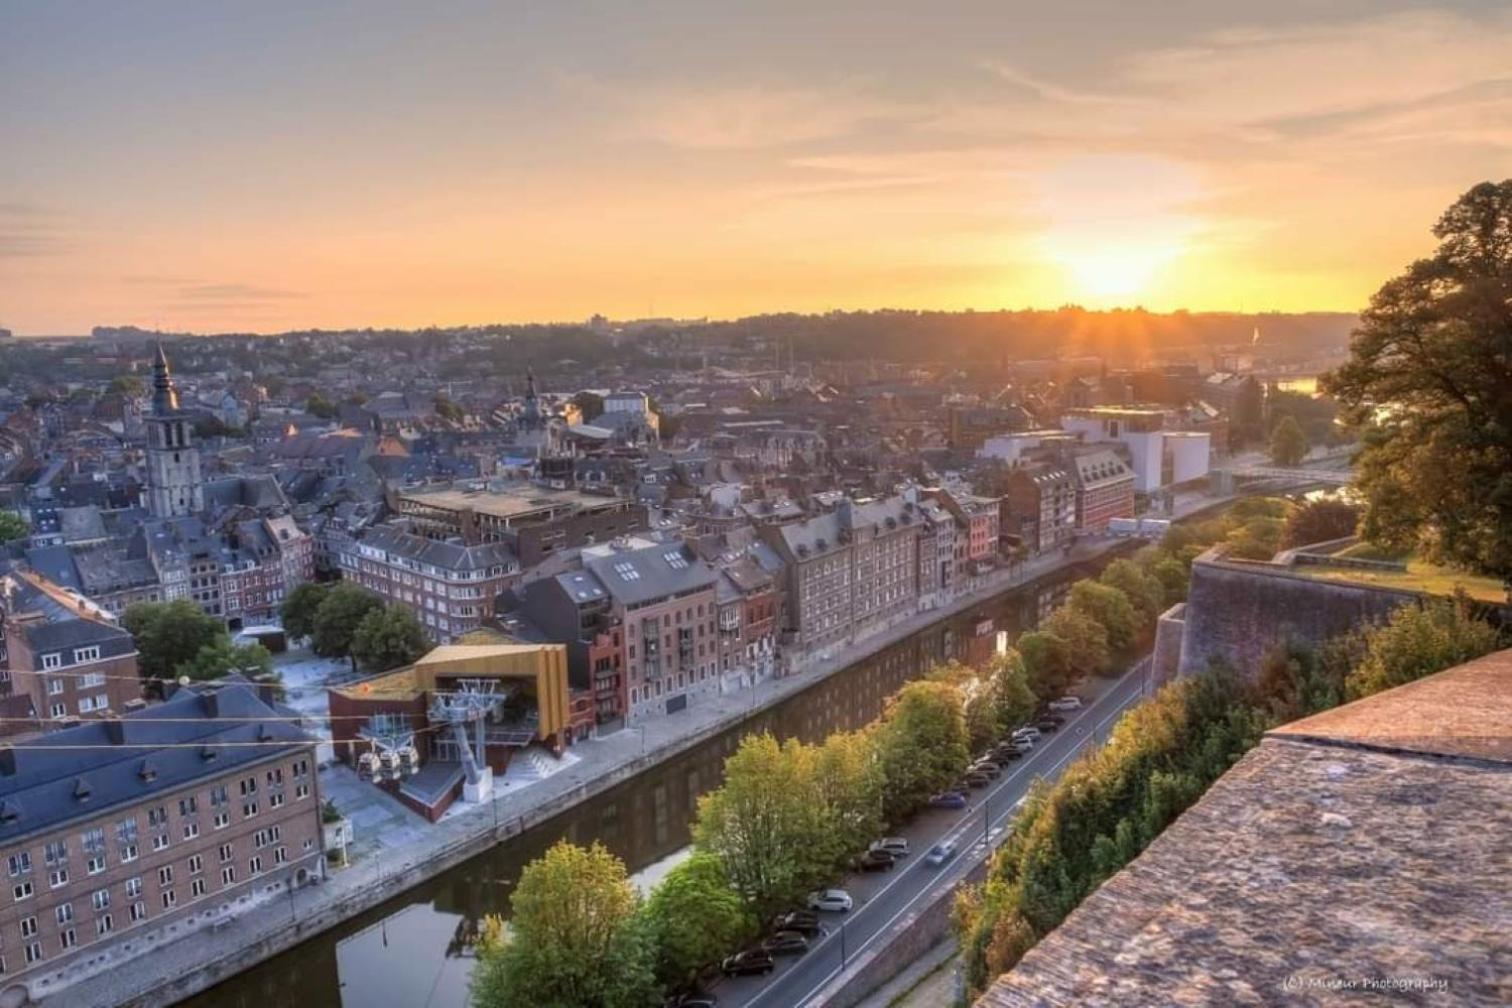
x,y
1166,658
1240,611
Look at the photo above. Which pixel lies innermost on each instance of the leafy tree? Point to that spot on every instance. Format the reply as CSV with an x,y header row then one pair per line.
x,y
764,826
1294,682
1319,521
1086,640
694,917
1248,416
574,939
337,619
921,745
449,410
13,526
299,608
128,385
1047,662
1008,687
1314,414
387,638
846,781
1142,588
220,658
318,405
170,634
1419,640
1256,539
1429,379
1288,443
1110,609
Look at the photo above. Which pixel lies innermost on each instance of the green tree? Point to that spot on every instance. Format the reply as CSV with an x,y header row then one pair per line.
x,y
846,780
1047,662
387,638
694,917
1248,418
299,608
1319,521
318,405
128,385
170,634
574,939
1429,379
1008,687
1142,588
221,658
1256,539
449,410
1419,640
921,745
13,526
1288,443
1109,608
1086,640
337,619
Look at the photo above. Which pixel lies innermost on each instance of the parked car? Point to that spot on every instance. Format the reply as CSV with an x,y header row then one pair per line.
x,y
977,779
948,799
987,767
895,845
1024,746
873,860
786,943
940,853
1047,726
803,921
1057,718
1008,754
748,963
695,1000
1027,733
831,900
1065,703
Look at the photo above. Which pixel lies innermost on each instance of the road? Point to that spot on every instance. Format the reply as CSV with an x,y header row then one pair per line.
x,y
884,897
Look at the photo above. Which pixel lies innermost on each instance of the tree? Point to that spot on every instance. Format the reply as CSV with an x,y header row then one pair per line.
x,y
299,608
1142,588
1047,662
574,939
1319,521
1086,640
921,745
1288,443
1110,609
846,781
449,410
170,634
13,526
387,638
128,385
1249,404
1008,687
1419,640
221,658
694,917
337,618
1256,539
1429,379
318,405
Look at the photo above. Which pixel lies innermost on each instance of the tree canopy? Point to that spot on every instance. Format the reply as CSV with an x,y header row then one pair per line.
x,y
1429,379
13,526
694,917
299,607
170,634
1288,443
387,638
338,616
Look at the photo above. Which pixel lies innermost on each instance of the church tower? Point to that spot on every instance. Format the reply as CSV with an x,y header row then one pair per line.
x,y
174,488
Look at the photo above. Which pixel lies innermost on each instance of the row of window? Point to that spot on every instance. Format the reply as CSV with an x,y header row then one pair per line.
x,y
54,659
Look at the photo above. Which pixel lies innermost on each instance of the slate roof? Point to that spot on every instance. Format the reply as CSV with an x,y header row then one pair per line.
x,y
1100,467
1368,842
448,556
647,571
40,791
61,626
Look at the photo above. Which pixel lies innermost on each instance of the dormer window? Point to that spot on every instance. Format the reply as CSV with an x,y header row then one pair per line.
x,y
52,660
147,772
87,654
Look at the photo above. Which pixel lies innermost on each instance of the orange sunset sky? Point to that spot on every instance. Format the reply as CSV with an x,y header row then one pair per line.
x,y
210,166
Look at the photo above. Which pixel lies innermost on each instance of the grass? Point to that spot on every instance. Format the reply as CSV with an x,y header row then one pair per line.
x,y
1419,576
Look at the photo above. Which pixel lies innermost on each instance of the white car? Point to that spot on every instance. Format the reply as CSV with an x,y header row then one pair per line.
x,y
1065,703
833,900
1026,735
895,845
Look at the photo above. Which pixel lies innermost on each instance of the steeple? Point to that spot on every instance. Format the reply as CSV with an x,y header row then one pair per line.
x,y
164,394
532,408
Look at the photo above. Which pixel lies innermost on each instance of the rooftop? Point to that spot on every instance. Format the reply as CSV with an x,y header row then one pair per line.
x,y
514,501
1420,576
1364,843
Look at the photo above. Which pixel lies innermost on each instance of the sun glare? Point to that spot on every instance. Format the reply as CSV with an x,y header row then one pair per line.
x,y
1112,274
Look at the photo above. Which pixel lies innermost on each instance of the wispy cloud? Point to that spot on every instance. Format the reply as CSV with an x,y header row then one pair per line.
x,y
32,229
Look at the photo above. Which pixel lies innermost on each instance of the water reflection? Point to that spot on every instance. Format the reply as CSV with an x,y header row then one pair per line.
x,y
416,949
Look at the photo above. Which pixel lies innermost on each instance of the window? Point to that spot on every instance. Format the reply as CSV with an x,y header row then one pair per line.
x,y
196,864
96,864
255,865
280,855
138,912
22,891
54,687
84,654
169,899
58,710
134,887
222,820
276,799
160,842
301,768
100,899
227,852
157,816
249,786
64,913
33,953
67,939
197,887
191,830
275,776
57,877
165,875
228,875
52,660
249,809
128,853
218,795
55,852
103,924
20,863
301,791
28,927
188,806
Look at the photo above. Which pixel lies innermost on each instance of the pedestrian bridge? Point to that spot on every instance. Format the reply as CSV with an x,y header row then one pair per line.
x,y
1336,476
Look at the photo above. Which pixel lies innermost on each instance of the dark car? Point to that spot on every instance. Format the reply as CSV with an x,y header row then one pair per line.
x,y
1052,716
1047,726
697,999
1008,754
873,860
948,799
803,921
987,767
747,963
786,943
977,779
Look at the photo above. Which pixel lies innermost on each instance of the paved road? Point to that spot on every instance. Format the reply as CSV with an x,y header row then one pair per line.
x,y
883,897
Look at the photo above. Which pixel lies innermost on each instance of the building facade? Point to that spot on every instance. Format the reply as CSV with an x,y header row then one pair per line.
x,y
449,587
174,484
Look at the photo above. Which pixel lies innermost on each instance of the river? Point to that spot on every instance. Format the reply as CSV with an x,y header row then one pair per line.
x,y
416,949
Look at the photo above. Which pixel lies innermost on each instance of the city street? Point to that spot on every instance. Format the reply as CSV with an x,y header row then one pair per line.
x,y
882,898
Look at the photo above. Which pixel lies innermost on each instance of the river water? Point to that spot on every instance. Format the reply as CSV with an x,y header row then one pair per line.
x,y
416,949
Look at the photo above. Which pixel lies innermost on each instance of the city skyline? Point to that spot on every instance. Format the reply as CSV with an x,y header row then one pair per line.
x,y
276,168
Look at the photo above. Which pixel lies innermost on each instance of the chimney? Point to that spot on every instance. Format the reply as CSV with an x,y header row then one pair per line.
x,y
7,761
115,730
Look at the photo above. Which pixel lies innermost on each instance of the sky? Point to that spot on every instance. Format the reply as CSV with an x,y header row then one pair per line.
x,y
210,166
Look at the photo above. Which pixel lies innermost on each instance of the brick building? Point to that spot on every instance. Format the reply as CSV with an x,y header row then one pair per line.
x,y
152,826
449,586
1104,489
1040,505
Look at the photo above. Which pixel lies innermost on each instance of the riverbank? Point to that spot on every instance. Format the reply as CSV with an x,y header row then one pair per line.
x,y
203,959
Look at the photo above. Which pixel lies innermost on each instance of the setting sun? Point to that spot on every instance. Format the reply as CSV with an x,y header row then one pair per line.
x,y
1113,273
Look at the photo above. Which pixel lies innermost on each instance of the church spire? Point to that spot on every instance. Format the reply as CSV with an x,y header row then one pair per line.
x,y
164,394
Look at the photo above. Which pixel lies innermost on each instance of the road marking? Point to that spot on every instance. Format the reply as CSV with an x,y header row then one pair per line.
x,y
1130,676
